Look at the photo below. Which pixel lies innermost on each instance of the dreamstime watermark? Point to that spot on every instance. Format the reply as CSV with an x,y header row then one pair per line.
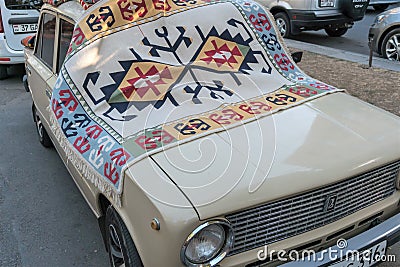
x,y
374,254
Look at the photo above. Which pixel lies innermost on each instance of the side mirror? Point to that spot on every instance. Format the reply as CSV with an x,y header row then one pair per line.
x,y
29,42
297,56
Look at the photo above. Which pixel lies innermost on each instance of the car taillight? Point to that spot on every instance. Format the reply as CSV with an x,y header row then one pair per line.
x,y
1,24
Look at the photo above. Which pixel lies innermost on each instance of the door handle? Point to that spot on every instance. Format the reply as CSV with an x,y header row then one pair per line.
x,y
48,93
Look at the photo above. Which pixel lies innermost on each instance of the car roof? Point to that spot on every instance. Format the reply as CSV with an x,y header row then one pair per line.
x,y
71,9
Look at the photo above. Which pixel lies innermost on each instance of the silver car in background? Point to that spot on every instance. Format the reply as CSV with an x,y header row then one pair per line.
x,y
384,34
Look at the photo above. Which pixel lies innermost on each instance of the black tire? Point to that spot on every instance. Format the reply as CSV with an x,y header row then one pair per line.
x,y
44,138
3,72
335,32
120,246
283,23
388,48
380,7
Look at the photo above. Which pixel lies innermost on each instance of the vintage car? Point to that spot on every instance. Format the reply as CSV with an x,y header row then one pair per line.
x,y
197,141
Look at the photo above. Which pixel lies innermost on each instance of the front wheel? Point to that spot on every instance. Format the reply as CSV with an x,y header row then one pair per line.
x,y
283,23
381,7
121,249
335,32
391,45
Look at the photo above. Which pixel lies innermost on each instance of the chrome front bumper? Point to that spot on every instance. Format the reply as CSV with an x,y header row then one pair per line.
x,y
388,230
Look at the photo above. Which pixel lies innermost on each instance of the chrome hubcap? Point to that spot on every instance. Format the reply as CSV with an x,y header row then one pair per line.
x,y
393,48
281,26
117,257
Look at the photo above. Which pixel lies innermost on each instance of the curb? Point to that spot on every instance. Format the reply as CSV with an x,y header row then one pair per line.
x,y
344,55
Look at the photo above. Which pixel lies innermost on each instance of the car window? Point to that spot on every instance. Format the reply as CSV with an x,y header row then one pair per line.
x,y
45,43
23,4
66,30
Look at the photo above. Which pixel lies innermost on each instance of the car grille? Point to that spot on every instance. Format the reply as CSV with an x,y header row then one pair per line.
x,y
288,217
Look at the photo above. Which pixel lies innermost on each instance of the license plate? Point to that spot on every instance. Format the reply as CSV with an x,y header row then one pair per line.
x,y
366,258
24,28
326,3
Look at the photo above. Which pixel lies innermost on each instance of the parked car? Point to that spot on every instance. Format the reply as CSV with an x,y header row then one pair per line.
x,y
18,19
334,16
199,142
381,5
384,34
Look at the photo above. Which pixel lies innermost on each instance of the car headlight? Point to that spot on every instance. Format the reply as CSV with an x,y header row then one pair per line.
x,y
380,18
397,181
208,244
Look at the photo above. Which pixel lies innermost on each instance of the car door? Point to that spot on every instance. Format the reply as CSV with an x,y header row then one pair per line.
x,y
52,43
19,20
65,31
40,65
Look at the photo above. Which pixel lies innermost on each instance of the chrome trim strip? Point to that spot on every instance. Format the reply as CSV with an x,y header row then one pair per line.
x,y
278,220
229,238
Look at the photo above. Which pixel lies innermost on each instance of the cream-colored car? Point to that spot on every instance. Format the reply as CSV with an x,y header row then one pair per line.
x,y
277,162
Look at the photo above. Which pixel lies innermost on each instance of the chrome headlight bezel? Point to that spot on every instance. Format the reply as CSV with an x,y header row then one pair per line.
x,y
220,254
380,18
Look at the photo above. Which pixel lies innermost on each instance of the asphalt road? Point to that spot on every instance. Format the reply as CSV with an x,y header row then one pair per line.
x,y
355,40
44,220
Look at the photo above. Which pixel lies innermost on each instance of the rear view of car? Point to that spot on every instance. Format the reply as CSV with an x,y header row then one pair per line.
x,y
18,19
334,16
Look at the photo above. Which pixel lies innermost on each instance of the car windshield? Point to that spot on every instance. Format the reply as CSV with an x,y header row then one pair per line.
x,y
23,4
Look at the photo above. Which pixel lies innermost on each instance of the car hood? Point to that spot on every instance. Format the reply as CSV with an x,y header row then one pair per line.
x,y
324,141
